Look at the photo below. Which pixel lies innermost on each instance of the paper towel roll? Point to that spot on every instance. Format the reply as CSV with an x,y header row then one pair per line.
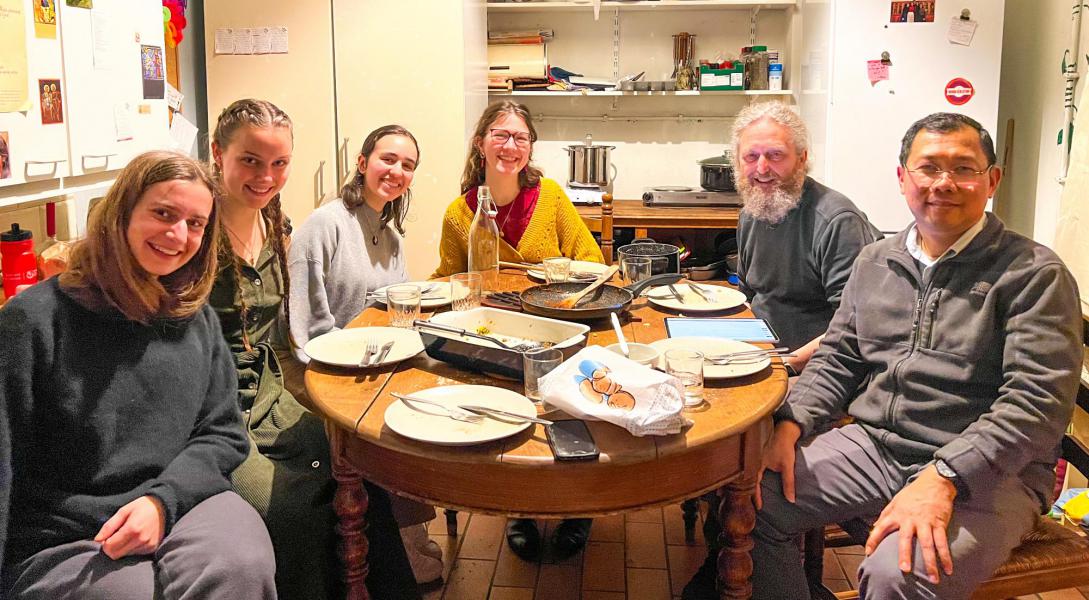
x,y
518,61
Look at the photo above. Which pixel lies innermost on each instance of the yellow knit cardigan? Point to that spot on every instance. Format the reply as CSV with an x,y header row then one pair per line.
x,y
555,229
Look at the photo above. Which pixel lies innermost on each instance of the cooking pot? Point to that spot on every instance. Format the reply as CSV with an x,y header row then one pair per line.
x,y
589,165
540,299
664,258
717,173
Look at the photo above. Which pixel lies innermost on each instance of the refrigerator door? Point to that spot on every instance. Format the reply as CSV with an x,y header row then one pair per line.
x,y
866,121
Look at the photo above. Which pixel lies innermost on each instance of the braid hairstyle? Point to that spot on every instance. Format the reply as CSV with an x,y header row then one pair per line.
x,y
473,175
261,114
352,192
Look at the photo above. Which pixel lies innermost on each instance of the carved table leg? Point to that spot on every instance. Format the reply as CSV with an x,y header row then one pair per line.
x,y
738,517
350,503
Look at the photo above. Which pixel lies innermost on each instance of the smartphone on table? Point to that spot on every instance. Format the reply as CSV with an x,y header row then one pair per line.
x,y
571,440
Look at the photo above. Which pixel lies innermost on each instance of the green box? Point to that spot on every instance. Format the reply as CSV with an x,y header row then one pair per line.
x,y
723,79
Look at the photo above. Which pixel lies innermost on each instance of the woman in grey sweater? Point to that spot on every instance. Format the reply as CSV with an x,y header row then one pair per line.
x,y
345,250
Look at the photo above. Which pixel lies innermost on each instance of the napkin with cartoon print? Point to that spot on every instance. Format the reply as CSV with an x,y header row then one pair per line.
x,y
597,384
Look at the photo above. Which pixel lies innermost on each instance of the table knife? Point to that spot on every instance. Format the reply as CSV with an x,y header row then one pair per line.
x,y
675,293
495,412
383,352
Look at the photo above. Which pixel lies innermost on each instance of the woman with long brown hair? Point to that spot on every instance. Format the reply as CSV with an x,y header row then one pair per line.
x,y
536,219
287,475
120,400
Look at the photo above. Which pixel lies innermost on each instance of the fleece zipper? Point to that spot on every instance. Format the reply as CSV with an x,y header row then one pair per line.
x,y
916,326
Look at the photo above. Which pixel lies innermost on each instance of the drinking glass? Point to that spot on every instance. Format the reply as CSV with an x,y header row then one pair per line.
x,y
536,365
403,304
687,365
465,289
634,268
557,269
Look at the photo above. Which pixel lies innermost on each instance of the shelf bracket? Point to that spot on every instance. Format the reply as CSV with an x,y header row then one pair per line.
x,y
752,25
616,45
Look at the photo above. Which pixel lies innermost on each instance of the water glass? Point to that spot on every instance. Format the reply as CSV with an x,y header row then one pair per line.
x,y
536,365
634,268
403,304
687,365
557,269
466,289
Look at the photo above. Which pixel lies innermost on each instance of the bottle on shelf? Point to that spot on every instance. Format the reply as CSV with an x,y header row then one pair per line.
x,y
17,260
484,241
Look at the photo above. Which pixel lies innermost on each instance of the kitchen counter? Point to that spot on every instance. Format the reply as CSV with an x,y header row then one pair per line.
x,y
632,213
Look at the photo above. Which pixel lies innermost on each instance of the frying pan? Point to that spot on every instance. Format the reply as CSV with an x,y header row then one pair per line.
x,y
607,299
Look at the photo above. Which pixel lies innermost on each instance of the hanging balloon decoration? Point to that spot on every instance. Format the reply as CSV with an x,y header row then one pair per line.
x,y
173,21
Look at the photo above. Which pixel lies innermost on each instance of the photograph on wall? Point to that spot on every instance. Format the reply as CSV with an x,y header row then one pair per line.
x,y
5,156
151,66
79,3
919,11
45,18
49,91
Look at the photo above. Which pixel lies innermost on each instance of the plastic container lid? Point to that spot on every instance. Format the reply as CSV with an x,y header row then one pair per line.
x,y
16,234
759,48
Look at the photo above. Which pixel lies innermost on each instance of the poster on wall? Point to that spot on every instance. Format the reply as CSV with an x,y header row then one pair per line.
x,y
49,90
14,91
79,3
45,18
5,155
151,66
919,11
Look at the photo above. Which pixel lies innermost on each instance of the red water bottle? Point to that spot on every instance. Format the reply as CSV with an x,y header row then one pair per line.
x,y
17,259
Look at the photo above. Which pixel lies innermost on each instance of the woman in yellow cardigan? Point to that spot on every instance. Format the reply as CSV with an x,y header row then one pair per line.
x,y
536,219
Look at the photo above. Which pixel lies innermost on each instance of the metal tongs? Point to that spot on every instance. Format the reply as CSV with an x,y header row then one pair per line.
x,y
429,325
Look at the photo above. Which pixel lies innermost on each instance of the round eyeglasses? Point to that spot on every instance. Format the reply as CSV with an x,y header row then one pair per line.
x,y
502,135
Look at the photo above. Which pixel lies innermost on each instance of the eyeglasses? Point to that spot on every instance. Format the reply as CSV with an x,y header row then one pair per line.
x,y
929,174
502,135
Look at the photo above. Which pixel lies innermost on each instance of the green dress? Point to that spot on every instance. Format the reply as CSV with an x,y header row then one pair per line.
x,y
287,475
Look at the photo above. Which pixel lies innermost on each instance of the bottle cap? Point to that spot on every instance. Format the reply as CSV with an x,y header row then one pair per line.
x,y
16,234
759,48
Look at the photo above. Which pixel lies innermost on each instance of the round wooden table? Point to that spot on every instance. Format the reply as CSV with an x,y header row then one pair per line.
x,y
518,476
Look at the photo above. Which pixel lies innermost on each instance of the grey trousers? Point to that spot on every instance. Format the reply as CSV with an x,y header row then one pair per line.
x,y
842,475
219,549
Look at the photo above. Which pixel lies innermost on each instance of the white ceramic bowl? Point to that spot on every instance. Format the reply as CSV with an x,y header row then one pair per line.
x,y
643,354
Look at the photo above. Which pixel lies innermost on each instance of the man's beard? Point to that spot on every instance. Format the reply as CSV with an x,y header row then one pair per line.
x,y
772,206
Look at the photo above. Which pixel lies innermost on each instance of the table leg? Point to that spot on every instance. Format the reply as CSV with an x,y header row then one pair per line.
x,y
738,517
350,503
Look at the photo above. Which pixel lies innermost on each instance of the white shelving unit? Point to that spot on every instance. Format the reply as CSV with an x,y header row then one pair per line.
x,y
546,93
584,5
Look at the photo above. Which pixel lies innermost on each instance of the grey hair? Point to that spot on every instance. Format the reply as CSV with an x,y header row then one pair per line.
x,y
777,111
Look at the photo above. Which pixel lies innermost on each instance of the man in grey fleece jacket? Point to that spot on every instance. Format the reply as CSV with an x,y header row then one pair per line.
x,y
957,350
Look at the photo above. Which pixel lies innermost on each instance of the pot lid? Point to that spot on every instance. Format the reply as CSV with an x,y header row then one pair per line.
x,y
723,160
588,143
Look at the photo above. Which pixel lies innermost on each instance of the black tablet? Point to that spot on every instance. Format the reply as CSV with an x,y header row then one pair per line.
x,y
744,330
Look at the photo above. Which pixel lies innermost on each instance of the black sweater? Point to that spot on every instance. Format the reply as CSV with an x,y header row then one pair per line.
x,y
102,410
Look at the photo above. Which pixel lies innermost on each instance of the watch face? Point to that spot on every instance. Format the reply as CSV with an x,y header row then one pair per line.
x,y
944,470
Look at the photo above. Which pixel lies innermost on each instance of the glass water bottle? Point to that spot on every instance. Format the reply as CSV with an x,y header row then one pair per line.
x,y
484,241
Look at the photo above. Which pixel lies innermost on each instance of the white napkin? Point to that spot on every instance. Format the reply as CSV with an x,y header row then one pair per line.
x,y
600,385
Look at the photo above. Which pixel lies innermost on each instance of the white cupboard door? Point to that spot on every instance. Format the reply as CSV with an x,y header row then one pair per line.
x,y
867,121
300,82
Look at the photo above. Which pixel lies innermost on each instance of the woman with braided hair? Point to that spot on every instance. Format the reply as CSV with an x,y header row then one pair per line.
x,y
287,475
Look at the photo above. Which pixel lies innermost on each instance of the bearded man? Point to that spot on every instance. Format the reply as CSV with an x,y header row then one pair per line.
x,y
797,238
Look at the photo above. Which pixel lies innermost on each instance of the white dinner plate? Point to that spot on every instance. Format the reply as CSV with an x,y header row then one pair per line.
x,y
433,294
714,346
724,298
345,347
429,424
577,266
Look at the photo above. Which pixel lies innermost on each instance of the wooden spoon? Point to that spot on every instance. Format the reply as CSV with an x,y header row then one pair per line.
x,y
573,299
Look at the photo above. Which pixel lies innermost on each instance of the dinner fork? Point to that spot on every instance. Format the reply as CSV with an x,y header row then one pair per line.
x,y
370,351
749,359
454,413
702,293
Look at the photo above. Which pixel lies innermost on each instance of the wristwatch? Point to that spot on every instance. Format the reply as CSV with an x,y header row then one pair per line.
x,y
947,472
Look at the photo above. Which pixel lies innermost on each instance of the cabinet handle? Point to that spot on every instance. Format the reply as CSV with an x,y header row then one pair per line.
x,y
105,165
52,172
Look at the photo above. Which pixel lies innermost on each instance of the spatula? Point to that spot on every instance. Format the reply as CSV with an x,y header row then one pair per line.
x,y
573,299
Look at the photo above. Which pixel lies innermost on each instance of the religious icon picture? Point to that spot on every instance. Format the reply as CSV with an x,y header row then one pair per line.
x,y
152,70
45,18
917,11
79,3
5,156
49,93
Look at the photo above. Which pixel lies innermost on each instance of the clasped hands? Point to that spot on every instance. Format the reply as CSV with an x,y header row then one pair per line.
x,y
921,510
136,528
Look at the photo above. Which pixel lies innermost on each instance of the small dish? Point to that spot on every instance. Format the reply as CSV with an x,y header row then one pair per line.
x,y
644,354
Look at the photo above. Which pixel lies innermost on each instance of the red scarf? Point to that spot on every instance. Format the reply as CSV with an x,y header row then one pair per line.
x,y
512,218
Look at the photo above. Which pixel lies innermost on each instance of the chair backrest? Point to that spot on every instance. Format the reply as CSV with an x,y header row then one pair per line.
x,y
607,239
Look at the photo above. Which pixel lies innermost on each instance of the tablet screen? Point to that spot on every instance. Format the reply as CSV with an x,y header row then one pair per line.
x,y
744,330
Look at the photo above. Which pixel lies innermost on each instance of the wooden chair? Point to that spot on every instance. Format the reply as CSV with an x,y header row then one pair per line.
x,y
607,237
1050,557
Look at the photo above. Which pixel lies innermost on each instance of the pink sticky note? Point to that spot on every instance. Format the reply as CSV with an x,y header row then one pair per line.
x,y
877,71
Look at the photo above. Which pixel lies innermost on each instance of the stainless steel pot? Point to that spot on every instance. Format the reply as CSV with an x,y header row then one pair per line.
x,y
589,164
664,258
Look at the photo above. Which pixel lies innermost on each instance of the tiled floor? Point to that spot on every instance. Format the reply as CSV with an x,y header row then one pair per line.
x,y
637,556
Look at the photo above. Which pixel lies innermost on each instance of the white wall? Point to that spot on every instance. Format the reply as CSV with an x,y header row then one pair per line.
x,y
1035,37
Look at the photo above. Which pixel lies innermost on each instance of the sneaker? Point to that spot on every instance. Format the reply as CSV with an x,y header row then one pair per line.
x,y
424,554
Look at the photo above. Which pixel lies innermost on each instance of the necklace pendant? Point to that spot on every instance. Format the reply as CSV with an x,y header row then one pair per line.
x,y
374,239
